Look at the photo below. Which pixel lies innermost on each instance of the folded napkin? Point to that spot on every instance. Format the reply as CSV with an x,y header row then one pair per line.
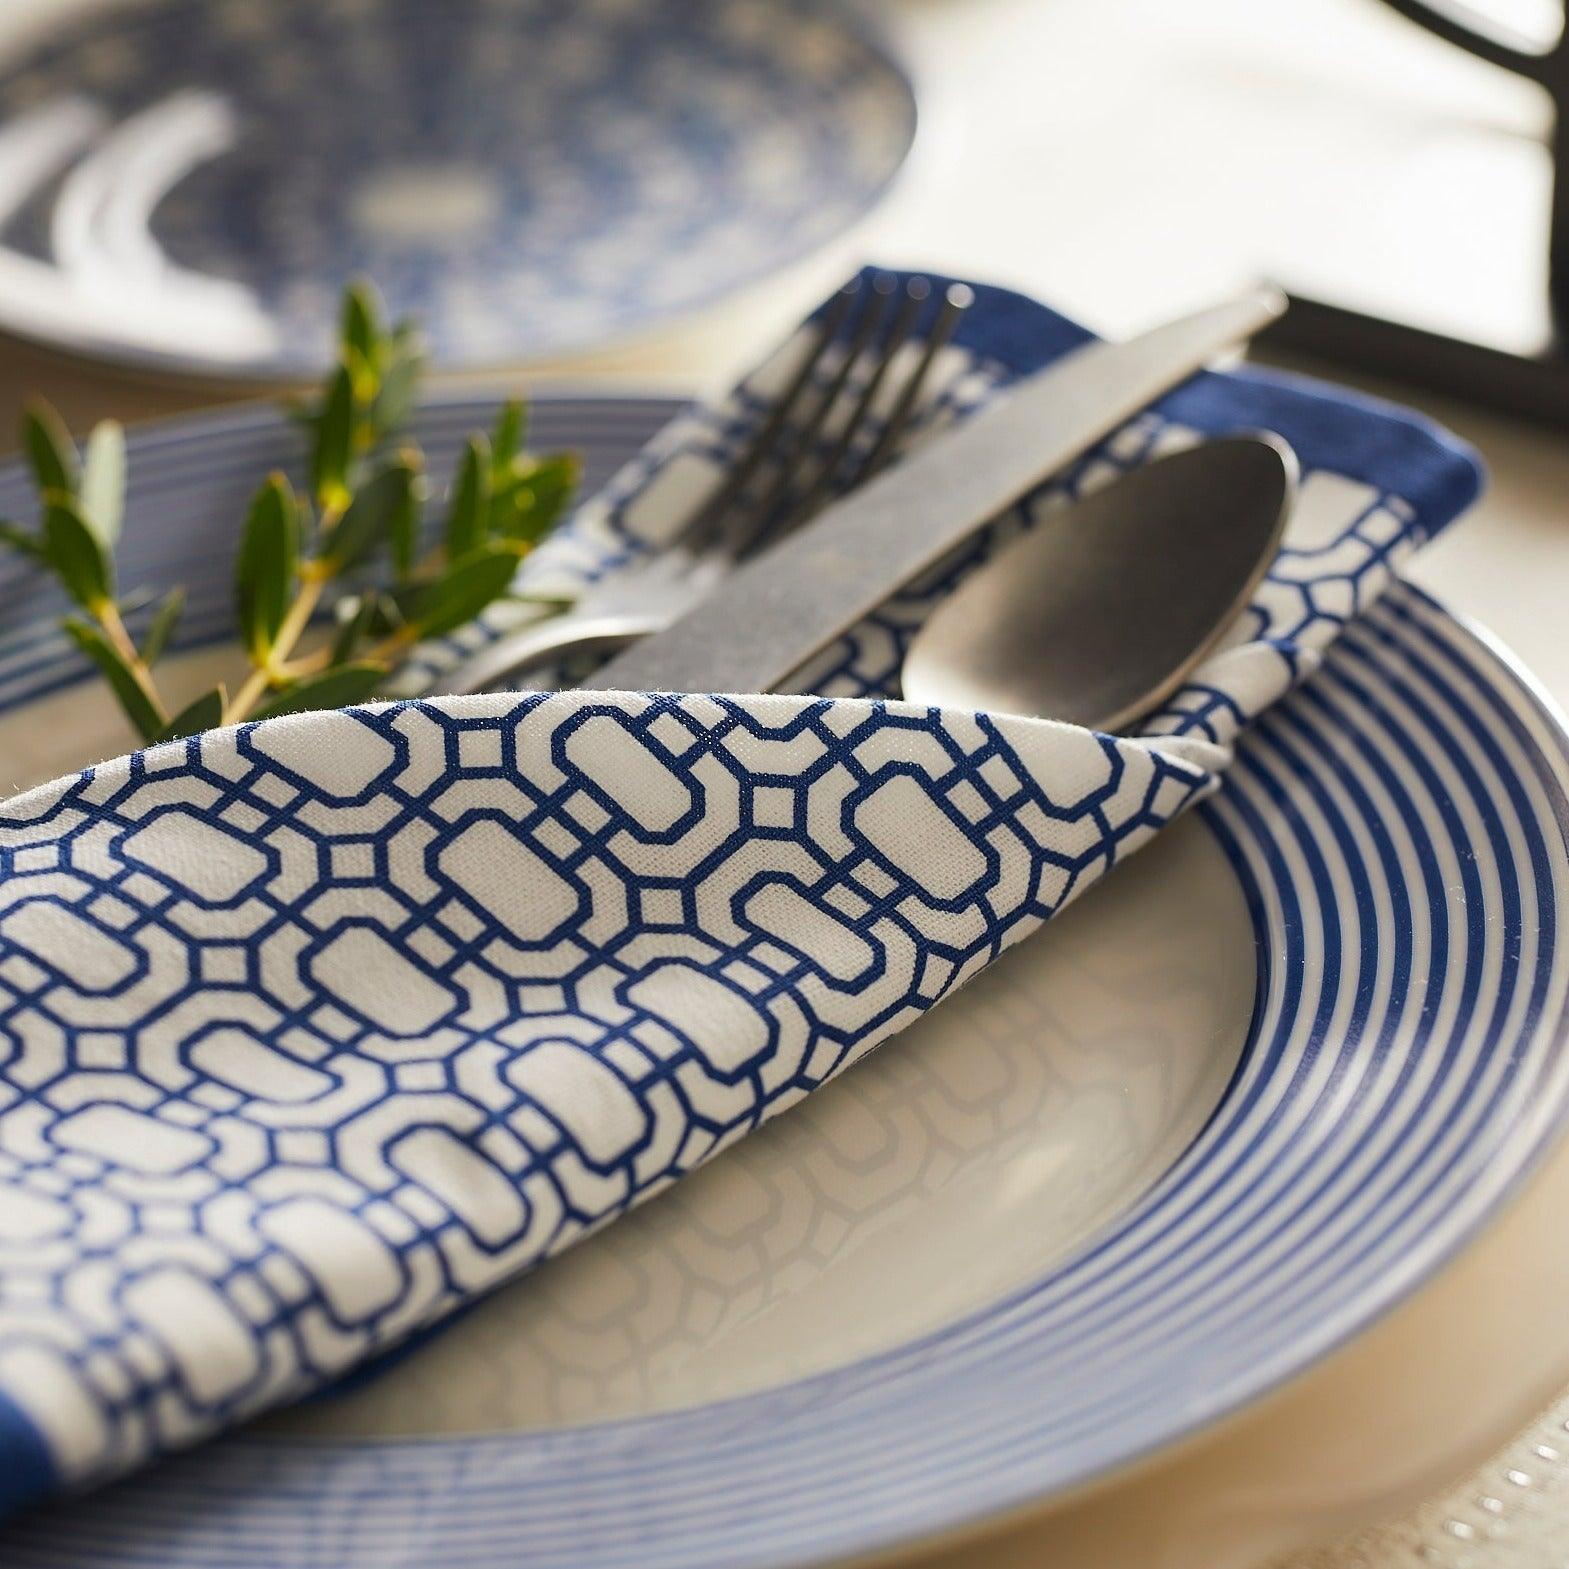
x,y
315,1029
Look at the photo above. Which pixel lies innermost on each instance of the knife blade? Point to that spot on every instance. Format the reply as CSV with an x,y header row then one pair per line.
x,y
776,611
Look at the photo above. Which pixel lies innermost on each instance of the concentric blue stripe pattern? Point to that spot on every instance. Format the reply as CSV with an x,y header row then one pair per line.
x,y
318,1028
1400,829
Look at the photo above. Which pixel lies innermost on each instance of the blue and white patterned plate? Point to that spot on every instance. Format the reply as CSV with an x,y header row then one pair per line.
x,y
187,184
1220,1117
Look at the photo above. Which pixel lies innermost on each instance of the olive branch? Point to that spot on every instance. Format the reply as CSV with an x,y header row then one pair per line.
x,y
364,507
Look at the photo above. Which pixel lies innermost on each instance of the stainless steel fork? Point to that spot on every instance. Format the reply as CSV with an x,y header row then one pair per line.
x,y
802,456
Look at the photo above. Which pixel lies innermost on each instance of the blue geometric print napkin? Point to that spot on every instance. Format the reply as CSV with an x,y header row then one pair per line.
x,y
313,1030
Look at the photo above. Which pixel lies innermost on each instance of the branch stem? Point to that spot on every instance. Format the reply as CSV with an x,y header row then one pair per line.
x,y
107,614
388,648
313,579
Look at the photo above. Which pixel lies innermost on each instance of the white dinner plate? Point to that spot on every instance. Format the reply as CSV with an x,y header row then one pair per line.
x,y
1210,1126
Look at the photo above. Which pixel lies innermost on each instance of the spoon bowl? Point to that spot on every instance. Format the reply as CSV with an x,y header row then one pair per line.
x,y
1102,610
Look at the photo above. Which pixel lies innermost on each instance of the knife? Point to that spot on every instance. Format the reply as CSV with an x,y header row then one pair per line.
x,y
776,611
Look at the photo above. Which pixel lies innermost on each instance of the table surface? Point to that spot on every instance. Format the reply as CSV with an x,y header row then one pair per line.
x,y
1127,160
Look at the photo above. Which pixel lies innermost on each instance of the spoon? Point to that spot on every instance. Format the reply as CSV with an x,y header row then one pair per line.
x,y
1102,610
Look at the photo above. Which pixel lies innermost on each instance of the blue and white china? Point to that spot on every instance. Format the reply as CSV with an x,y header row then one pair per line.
x,y
187,184
1221,1118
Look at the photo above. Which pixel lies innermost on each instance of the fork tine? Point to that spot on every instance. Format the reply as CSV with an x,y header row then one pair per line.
x,y
775,504
915,295
702,528
956,301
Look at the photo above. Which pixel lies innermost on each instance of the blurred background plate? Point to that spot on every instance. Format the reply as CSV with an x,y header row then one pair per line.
x,y
1243,1101
185,185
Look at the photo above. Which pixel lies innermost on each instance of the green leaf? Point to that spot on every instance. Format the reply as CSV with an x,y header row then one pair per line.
x,y
139,707
365,382
371,614
203,713
331,689
354,613
462,591
161,628
386,616
77,554
334,442
469,508
545,599
506,441
102,495
50,451
380,510
360,327
23,541
266,566
403,528
536,500
400,381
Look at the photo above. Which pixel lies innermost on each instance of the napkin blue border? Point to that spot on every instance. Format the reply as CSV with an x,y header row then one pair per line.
x,y
28,1473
